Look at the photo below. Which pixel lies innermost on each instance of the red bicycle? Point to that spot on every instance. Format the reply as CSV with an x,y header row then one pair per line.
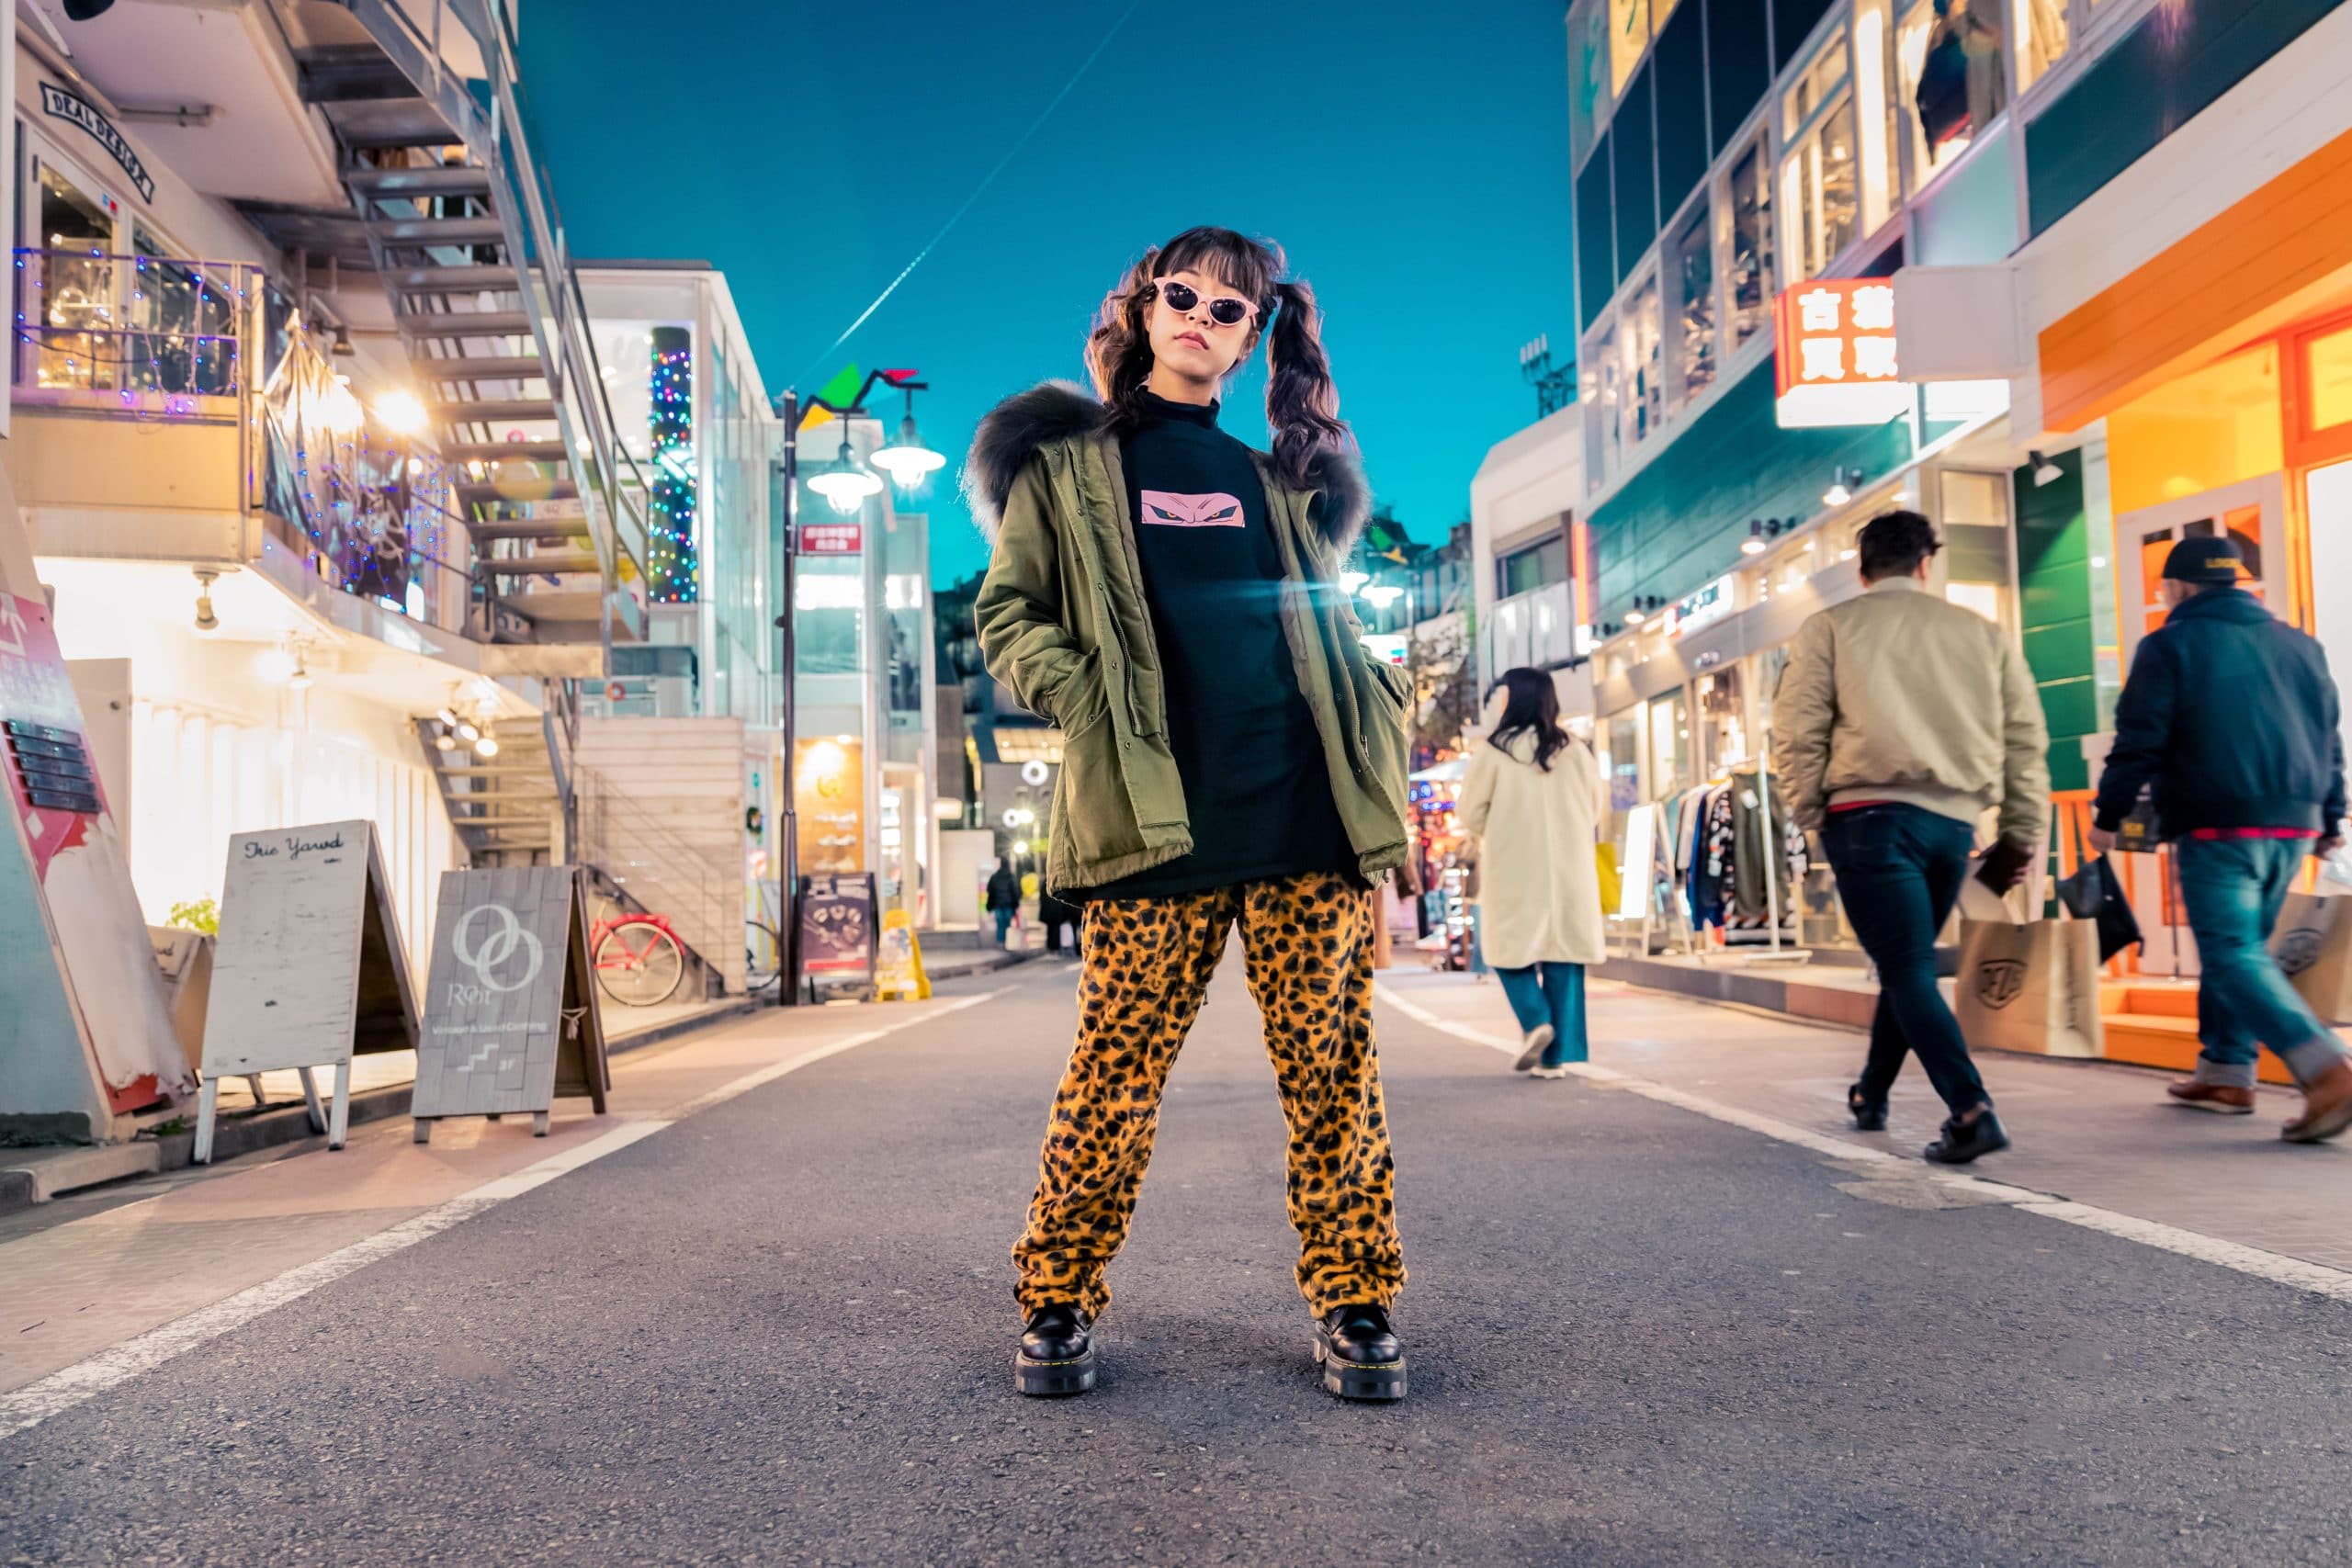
x,y
640,960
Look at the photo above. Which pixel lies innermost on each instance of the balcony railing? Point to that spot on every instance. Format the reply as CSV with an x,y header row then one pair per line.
x,y
215,344
148,333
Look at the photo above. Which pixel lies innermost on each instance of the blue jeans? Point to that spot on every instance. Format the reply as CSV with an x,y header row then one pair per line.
x,y
2233,888
1003,924
1899,871
1553,994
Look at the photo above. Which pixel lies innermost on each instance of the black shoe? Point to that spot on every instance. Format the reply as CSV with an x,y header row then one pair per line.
x,y
1056,1356
1868,1116
1359,1354
1965,1140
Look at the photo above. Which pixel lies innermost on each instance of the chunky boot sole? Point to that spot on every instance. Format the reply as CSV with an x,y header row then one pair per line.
x,y
1051,1380
1359,1380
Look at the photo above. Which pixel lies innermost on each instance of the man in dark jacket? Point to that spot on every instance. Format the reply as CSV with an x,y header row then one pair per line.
x,y
2230,714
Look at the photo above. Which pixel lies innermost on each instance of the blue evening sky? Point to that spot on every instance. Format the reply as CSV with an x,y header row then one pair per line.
x,y
1412,159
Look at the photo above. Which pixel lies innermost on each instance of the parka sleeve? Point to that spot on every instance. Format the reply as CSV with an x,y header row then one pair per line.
x,y
1019,611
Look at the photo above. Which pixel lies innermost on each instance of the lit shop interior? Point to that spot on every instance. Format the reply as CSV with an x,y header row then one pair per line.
x,y
1684,699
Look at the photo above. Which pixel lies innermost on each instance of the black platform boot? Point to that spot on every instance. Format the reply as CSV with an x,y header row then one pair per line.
x,y
1869,1115
1057,1355
1358,1353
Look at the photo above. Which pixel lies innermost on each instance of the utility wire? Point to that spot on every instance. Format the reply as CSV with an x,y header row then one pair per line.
x,y
977,191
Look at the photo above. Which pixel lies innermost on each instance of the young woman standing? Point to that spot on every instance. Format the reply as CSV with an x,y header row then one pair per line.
x,y
1231,756
1535,800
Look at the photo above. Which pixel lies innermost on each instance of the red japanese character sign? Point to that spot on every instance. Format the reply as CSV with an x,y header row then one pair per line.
x,y
1834,358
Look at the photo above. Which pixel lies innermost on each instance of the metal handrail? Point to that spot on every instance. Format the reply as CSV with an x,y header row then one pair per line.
x,y
539,254
657,869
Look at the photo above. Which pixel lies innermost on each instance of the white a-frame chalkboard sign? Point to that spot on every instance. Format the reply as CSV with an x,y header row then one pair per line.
x,y
309,970
509,1003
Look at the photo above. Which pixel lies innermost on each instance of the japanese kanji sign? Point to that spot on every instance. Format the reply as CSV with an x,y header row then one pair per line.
x,y
1834,361
832,538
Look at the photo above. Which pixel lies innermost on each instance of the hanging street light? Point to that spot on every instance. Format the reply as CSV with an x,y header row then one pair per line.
x,y
907,460
845,481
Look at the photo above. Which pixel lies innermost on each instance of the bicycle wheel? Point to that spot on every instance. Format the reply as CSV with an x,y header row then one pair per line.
x,y
639,964
763,955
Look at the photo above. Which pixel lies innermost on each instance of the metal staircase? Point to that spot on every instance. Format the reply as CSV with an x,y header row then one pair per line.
x,y
507,809
457,221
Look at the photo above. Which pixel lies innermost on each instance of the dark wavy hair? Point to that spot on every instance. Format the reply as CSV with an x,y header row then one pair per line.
x,y
1530,706
1302,406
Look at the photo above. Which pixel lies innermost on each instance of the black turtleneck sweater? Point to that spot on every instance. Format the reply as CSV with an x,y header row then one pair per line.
x,y
1256,789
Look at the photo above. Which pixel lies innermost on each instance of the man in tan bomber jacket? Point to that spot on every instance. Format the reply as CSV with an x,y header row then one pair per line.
x,y
1901,721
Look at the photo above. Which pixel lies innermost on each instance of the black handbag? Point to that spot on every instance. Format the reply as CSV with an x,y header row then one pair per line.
x,y
2094,894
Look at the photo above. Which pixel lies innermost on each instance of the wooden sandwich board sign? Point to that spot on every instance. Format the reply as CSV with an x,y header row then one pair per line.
x,y
308,970
510,1002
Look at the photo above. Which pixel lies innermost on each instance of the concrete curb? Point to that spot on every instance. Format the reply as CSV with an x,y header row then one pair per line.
x,y
72,1170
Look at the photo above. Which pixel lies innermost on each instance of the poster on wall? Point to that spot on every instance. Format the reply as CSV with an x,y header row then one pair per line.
x,y
76,854
828,793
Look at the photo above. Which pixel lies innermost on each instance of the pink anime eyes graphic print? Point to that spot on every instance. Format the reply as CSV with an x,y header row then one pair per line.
x,y
1216,510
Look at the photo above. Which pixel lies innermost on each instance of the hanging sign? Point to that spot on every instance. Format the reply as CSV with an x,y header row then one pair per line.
x,y
59,103
511,1017
832,538
1833,358
838,928
307,971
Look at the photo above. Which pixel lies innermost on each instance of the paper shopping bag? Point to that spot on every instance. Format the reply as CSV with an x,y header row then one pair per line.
x,y
2031,987
2313,943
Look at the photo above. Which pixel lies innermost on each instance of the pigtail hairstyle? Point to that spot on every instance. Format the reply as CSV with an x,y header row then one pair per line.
x,y
1118,348
1302,406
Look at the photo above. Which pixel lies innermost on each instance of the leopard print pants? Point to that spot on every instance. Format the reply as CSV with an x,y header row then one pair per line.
x,y
1307,945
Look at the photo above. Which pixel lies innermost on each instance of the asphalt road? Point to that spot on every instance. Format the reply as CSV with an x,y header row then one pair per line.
x,y
779,1332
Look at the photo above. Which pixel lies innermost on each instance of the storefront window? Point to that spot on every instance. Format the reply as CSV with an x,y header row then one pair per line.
x,y
1523,571
1597,389
1639,352
1949,52
1722,721
1819,188
1629,35
70,287
1691,260
1747,223
1670,746
1815,88
1588,91
2040,29
2327,367
1875,119
1625,768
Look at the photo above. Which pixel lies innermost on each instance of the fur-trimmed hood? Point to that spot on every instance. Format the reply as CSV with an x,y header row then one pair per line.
x,y
1026,423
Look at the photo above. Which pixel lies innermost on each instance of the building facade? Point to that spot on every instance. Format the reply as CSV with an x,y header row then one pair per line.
x,y
2068,276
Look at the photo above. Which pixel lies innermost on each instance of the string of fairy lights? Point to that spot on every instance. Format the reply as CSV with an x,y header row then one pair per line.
x,y
673,571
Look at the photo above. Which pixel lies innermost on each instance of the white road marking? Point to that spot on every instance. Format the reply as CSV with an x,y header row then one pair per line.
x,y
2276,1268
63,1389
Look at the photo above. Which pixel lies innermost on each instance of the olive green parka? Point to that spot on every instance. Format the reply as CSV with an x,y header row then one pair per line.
x,y
1063,624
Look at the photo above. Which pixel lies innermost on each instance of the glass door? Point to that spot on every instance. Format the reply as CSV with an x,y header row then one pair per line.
x,y
2252,512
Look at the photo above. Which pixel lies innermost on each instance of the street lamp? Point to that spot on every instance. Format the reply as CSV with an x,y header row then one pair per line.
x,y
847,485
907,460
845,481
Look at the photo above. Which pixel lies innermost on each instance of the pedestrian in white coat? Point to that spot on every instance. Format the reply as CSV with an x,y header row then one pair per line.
x,y
1535,798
